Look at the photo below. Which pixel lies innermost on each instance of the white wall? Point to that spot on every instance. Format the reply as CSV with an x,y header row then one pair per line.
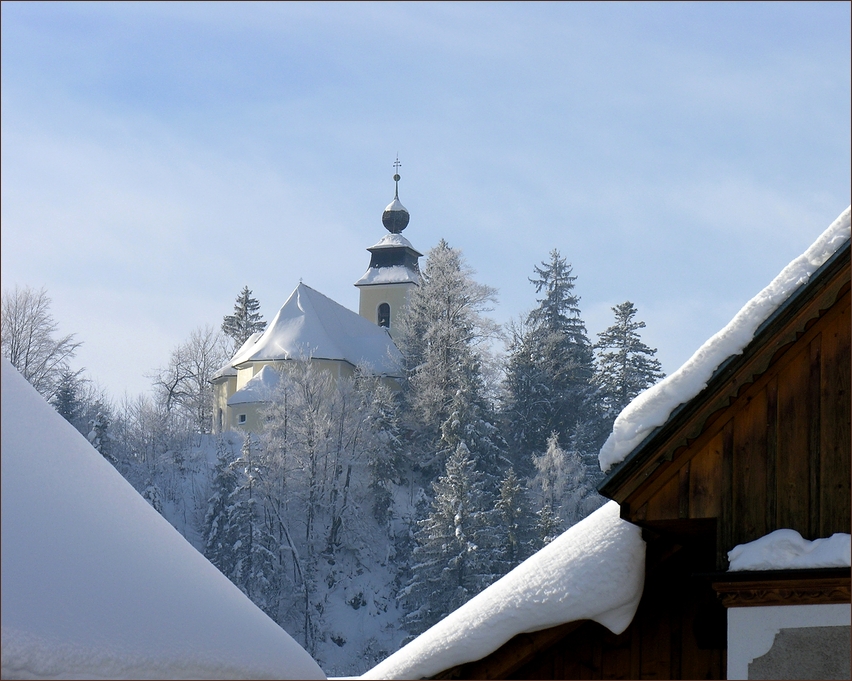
x,y
751,631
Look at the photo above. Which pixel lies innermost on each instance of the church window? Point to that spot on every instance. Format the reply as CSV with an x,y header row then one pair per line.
x,y
384,315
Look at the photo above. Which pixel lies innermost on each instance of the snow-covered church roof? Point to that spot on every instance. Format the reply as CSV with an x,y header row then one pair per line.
x,y
595,570
259,389
96,583
653,407
312,325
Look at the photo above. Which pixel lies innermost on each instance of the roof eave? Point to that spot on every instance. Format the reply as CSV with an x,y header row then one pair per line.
x,y
642,453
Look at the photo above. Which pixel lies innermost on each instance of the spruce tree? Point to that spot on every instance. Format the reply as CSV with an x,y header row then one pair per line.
x,y
626,366
452,560
217,542
99,435
246,319
240,517
547,525
442,335
254,563
66,400
550,368
514,513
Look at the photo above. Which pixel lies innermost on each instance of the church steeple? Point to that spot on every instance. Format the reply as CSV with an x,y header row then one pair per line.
x,y
395,217
394,267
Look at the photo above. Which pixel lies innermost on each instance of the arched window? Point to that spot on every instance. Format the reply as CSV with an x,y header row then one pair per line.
x,y
384,315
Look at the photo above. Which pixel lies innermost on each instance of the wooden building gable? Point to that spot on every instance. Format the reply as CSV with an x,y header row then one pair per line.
x,y
766,445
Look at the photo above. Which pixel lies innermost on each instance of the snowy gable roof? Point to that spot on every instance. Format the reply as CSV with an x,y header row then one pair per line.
x,y
259,389
653,407
311,325
595,570
96,583
228,369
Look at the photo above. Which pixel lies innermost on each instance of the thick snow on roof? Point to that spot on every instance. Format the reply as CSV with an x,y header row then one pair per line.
x,y
787,550
595,570
653,407
311,325
393,241
388,275
245,348
96,584
259,389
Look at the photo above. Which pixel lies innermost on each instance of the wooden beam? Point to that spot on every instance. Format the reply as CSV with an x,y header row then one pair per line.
x,y
741,590
511,656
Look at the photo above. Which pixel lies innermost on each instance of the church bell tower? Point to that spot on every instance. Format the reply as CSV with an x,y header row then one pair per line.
x,y
394,270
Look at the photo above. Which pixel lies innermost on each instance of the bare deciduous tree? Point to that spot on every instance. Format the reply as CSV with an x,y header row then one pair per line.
x,y
183,386
28,342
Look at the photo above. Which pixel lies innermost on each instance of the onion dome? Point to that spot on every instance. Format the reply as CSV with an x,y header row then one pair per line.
x,y
395,217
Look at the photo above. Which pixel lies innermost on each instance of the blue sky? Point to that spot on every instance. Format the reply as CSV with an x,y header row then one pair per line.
x,y
158,157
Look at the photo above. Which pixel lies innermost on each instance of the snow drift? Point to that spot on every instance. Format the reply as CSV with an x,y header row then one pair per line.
x,y
595,570
653,407
787,550
96,584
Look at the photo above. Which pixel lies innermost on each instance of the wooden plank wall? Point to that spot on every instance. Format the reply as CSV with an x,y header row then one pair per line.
x,y
778,456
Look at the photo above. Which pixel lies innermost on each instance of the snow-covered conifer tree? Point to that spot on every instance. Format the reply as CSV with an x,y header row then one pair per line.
x,y
241,516
253,560
551,364
626,366
547,525
453,560
442,335
217,542
514,512
246,319
99,434
66,399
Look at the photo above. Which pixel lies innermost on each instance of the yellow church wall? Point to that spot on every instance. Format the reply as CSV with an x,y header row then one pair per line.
x,y
251,413
223,388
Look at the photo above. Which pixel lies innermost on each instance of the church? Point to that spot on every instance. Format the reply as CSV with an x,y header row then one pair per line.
x,y
312,327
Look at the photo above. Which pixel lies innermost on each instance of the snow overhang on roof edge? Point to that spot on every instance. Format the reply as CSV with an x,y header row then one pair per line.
x,y
624,467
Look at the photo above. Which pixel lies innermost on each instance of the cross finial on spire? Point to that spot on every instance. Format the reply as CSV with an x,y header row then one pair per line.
x,y
397,165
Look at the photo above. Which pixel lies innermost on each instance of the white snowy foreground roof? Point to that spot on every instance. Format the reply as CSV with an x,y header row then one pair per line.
x,y
595,570
653,407
96,584
311,325
787,550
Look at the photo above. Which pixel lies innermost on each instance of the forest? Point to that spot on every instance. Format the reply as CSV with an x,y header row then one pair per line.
x,y
362,514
